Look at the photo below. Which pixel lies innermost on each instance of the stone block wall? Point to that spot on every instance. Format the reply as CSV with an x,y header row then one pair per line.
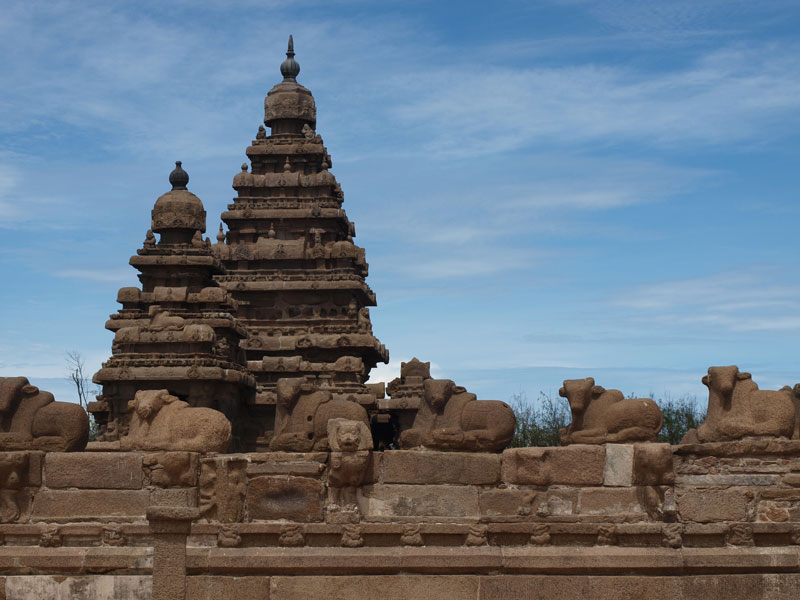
x,y
649,518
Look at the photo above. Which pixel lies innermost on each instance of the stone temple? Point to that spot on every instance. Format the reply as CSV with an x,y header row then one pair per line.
x,y
241,454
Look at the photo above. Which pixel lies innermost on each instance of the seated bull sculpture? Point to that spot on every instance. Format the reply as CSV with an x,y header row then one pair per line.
x,y
738,409
160,421
31,419
601,416
302,415
450,418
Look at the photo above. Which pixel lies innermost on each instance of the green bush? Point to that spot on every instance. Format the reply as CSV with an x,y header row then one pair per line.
x,y
538,423
680,416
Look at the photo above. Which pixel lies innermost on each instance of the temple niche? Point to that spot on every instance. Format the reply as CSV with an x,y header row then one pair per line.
x,y
291,264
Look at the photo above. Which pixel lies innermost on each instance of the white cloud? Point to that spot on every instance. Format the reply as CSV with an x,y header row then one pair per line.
x,y
120,275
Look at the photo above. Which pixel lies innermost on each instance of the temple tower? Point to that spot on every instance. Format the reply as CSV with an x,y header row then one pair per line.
x,y
179,331
291,263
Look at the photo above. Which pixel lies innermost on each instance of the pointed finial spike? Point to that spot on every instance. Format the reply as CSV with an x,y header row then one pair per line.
x,y
289,68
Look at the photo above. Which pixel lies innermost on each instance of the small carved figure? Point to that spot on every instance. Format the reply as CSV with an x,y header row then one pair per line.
x,y
302,415
740,534
540,536
228,536
308,132
262,133
364,323
450,418
476,535
350,443
31,419
197,240
600,415
113,536
161,320
50,536
293,535
412,535
606,535
738,409
149,239
351,536
160,421
672,535
168,469
12,466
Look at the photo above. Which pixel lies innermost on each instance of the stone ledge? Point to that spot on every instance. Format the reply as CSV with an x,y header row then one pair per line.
x,y
599,560
460,468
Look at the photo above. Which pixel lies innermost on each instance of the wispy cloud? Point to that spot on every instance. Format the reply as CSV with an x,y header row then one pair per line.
x,y
121,275
750,299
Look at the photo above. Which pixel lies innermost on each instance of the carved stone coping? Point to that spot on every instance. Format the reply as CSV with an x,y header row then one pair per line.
x,y
602,560
265,535
745,447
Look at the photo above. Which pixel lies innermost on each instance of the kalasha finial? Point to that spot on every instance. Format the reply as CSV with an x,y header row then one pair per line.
x,y
178,178
289,68
221,235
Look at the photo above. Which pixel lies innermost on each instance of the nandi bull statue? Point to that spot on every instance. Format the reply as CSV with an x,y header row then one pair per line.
x,y
302,414
450,418
738,409
31,419
601,416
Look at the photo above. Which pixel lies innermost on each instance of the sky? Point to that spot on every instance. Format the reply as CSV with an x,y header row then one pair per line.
x,y
546,189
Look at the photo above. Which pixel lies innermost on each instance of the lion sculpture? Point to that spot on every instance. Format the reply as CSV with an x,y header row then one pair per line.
x,y
450,418
601,416
160,421
738,409
303,412
351,442
31,419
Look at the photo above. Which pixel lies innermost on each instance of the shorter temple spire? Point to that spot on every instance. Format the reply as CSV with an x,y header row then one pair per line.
x,y
290,68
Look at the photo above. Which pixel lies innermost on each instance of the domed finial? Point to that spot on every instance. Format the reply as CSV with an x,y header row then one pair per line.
x,y
289,68
178,178
221,235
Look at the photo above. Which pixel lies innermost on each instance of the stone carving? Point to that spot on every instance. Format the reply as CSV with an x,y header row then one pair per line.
x,y
171,469
351,443
738,409
351,536
672,535
740,534
50,536
450,418
12,467
302,415
606,535
31,419
223,483
412,535
112,536
160,421
476,535
540,535
292,535
600,415
228,536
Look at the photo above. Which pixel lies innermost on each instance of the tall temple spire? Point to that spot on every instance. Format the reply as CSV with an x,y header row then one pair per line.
x,y
290,68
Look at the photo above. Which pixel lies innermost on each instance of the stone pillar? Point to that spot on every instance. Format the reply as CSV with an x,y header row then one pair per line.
x,y
170,526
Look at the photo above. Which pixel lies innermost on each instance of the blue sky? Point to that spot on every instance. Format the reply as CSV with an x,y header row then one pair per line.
x,y
545,189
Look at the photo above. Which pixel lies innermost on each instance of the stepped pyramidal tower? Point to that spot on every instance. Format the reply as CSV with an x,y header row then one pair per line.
x,y
178,332
287,278
291,263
